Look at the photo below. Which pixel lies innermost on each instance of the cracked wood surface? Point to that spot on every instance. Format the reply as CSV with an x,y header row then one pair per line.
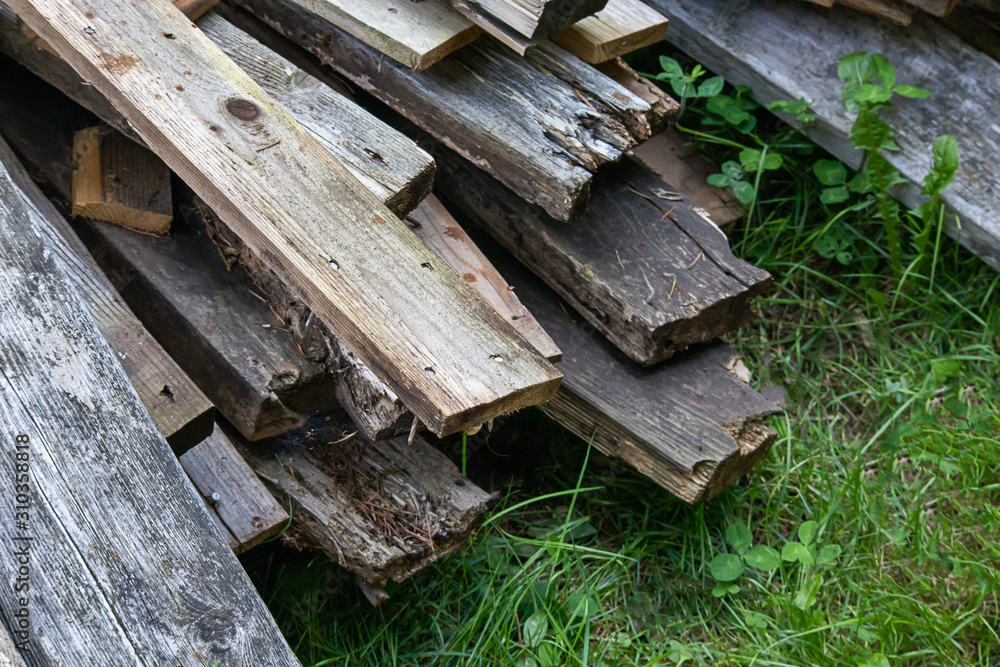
x,y
542,123
535,19
621,27
427,334
650,273
125,589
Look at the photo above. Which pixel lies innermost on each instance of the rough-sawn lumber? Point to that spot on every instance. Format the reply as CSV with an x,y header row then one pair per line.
x,y
535,19
802,63
149,583
621,27
428,335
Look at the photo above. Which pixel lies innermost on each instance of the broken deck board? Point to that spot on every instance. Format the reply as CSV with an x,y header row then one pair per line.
x,y
649,272
181,412
427,334
544,143
535,19
691,424
803,64
247,510
445,237
621,27
124,590
381,510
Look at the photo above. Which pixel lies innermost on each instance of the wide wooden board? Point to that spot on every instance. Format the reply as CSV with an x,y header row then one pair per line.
x,y
802,63
427,334
621,27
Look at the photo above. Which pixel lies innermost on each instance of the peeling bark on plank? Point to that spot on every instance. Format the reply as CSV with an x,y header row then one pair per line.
x,y
135,591
692,424
650,273
301,211
804,47
544,142
181,412
381,510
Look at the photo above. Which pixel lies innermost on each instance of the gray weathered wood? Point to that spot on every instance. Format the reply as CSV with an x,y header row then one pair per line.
x,y
650,273
9,655
802,63
544,142
445,237
181,412
535,19
151,582
247,509
426,334
691,424
381,510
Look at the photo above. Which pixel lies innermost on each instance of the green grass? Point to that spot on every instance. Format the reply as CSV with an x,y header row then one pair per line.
x,y
889,444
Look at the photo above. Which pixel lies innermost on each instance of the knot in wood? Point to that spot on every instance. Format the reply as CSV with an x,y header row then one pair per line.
x,y
242,109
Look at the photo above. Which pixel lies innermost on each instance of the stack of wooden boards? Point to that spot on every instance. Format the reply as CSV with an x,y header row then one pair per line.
x,y
313,291
897,12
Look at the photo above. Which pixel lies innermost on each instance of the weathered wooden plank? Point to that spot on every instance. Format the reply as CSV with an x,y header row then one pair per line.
x,y
663,108
803,64
427,334
649,272
894,11
195,9
9,655
691,424
181,412
978,24
387,163
445,237
535,19
544,142
493,27
621,27
381,510
126,589
415,34
120,182
669,156
246,508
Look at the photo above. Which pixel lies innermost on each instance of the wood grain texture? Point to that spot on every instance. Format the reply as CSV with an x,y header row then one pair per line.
x,y
663,108
445,237
385,161
543,142
651,274
536,19
120,182
9,655
415,34
803,64
181,412
381,510
621,27
195,9
675,162
300,210
246,508
500,31
135,591
894,11
690,424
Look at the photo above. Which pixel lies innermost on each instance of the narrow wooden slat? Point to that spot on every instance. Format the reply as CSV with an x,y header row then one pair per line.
x,y
195,9
381,510
566,120
416,34
120,182
895,11
621,27
181,412
802,64
503,33
246,508
536,19
426,334
151,582
691,424
445,237
641,265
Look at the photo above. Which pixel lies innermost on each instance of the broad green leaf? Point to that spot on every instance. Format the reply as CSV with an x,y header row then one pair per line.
x,y
548,655
795,551
834,195
756,620
682,89
535,628
750,159
671,68
830,172
744,192
869,92
711,87
719,180
945,369
945,165
581,605
807,532
763,557
859,183
739,537
829,554
733,170
912,91
884,70
772,161
855,67
807,594
726,567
